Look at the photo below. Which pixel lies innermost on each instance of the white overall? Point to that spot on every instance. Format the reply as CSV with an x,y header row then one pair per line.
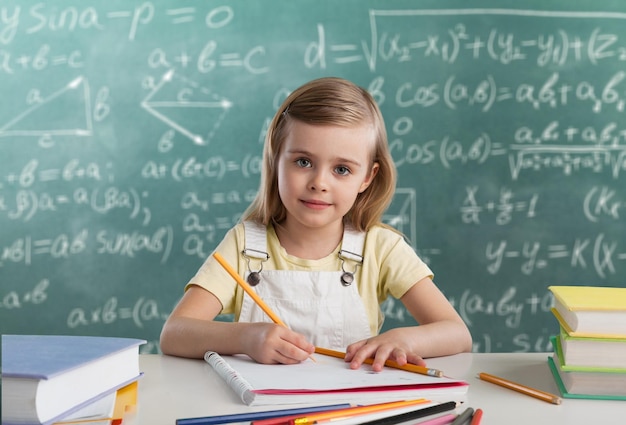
x,y
314,303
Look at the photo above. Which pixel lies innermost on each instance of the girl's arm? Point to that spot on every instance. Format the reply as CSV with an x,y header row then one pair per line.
x,y
191,330
440,332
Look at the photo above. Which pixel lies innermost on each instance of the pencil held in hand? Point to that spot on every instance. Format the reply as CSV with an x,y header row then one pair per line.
x,y
389,363
244,285
248,290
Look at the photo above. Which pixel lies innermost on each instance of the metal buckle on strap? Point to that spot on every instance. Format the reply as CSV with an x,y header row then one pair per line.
x,y
253,253
348,277
254,276
348,255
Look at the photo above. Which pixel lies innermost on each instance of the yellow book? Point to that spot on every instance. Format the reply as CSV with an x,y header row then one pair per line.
x,y
107,411
591,311
126,401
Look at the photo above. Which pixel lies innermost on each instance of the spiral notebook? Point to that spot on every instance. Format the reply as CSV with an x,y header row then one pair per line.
x,y
328,379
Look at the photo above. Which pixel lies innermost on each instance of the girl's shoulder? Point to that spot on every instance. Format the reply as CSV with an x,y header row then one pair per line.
x,y
385,239
384,232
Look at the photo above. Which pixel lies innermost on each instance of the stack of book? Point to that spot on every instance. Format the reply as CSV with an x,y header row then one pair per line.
x,y
67,379
589,359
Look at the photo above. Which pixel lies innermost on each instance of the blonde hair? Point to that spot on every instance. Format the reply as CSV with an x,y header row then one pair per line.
x,y
327,101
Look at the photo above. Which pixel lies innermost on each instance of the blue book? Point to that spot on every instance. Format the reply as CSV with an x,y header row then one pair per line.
x,y
47,377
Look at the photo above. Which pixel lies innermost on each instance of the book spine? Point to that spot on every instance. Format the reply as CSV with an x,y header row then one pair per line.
x,y
241,387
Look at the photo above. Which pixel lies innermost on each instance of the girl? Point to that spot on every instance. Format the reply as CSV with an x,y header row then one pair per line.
x,y
313,244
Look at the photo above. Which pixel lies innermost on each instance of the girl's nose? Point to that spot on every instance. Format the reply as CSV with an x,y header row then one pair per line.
x,y
319,182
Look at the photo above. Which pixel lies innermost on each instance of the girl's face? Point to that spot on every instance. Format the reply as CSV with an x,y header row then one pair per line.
x,y
321,170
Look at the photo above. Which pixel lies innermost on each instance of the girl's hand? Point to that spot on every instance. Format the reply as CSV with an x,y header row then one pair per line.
x,y
387,346
270,344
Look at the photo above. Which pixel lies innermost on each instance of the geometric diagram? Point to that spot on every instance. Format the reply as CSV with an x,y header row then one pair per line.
x,y
402,213
183,105
66,112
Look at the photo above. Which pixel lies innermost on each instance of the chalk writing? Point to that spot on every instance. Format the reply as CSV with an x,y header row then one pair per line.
x,y
17,299
141,311
503,209
601,253
131,141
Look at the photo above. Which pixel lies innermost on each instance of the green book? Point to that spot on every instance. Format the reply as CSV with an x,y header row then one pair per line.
x,y
586,382
590,354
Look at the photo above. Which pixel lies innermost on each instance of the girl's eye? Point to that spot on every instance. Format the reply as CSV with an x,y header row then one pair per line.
x,y
301,162
342,171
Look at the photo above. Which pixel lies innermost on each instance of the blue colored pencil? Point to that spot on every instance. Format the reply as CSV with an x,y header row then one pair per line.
x,y
255,416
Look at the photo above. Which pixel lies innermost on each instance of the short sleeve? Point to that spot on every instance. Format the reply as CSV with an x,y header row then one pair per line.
x,y
392,263
212,276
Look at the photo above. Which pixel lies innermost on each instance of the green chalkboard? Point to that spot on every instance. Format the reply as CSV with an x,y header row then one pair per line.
x,y
131,136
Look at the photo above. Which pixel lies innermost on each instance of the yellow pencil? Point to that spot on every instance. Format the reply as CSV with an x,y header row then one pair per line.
x,y
390,363
250,292
541,395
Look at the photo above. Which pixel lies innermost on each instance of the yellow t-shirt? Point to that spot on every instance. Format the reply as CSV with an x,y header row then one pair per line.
x,y
390,267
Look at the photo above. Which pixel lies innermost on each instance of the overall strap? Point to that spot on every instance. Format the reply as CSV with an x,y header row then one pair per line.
x,y
256,242
352,244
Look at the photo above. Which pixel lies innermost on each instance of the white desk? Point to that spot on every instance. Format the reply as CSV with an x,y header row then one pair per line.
x,y
174,388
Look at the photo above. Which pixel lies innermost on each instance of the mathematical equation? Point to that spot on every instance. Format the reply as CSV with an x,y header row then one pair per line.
x,y
509,306
214,167
459,41
598,203
141,311
24,250
487,93
600,252
503,209
558,47
43,18
568,159
15,299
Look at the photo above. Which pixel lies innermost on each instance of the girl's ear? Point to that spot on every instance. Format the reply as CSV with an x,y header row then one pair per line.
x,y
370,177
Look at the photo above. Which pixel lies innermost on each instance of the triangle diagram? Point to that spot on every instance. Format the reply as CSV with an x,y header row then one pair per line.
x,y
187,107
65,112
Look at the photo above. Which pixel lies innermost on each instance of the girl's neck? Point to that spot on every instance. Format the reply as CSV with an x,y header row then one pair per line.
x,y
308,243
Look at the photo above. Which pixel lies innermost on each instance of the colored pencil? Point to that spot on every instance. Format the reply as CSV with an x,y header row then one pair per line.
x,y
321,417
390,363
541,395
439,420
463,417
415,414
253,416
478,415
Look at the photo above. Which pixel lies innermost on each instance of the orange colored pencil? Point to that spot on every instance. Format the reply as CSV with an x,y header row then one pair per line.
x,y
541,395
315,418
390,363
478,415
